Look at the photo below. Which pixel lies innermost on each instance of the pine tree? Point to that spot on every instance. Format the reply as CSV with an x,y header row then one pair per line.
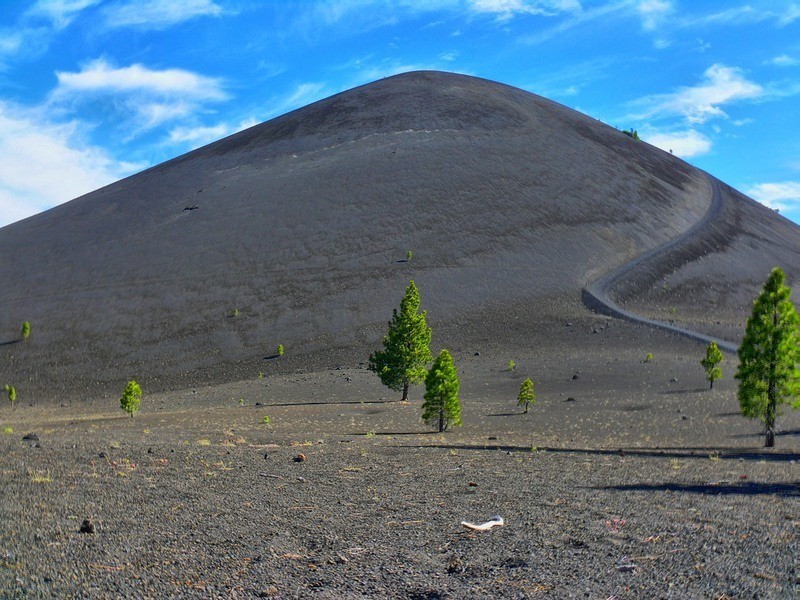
x,y
526,396
406,346
769,354
12,393
442,405
711,363
26,330
131,398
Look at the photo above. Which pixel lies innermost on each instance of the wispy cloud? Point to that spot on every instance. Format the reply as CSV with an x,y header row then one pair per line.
x,y
653,12
45,164
697,104
194,137
151,96
741,15
507,9
60,12
784,195
159,14
784,60
686,143
101,77
35,29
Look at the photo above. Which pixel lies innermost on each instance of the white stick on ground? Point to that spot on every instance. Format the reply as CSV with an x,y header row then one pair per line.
x,y
496,520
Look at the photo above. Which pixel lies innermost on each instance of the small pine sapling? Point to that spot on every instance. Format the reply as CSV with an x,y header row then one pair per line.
x,y
280,350
12,394
409,255
26,330
526,396
648,357
131,398
511,365
711,363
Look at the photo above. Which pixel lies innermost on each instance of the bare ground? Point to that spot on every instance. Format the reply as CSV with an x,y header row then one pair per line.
x,y
645,486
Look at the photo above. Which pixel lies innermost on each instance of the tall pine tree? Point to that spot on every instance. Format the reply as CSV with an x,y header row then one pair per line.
x,y
442,406
711,363
406,346
769,354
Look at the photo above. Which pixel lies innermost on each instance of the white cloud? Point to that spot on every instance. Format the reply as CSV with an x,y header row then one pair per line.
x,y
653,12
159,14
506,9
60,12
783,195
100,77
686,144
143,98
45,164
784,60
790,16
194,137
698,104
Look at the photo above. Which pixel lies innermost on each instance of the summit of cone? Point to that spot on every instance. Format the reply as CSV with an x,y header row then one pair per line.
x,y
511,204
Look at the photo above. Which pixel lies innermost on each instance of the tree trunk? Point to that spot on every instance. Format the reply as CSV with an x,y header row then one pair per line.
x,y
405,392
712,385
441,421
526,408
770,441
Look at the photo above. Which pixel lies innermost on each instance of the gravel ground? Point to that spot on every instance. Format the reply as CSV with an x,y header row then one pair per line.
x,y
612,486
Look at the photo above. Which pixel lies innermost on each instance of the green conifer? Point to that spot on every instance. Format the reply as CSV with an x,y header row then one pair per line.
x,y
131,398
406,346
769,354
526,396
711,363
442,406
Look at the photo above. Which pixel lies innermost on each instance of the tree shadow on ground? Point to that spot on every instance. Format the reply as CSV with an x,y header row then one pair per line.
x,y
671,452
10,342
744,488
506,414
761,434
329,403
393,433
677,392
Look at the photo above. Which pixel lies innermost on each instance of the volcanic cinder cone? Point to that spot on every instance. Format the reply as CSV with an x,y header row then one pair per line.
x,y
510,203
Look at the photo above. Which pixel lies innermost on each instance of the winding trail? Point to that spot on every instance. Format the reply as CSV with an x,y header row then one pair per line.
x,y
595,295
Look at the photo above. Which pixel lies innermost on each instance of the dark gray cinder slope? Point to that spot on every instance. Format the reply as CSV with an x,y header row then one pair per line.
x,y
506,200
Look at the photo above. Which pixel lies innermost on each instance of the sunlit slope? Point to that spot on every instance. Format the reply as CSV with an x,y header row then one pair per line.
x,y
301,225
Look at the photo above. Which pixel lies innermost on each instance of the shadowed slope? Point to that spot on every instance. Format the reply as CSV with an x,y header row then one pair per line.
x,y
505,198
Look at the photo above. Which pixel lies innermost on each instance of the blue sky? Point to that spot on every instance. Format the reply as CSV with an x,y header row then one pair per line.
x,y
95,90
